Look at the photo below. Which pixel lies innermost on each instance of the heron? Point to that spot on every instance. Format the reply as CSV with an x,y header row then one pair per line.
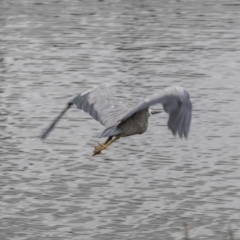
x,y
121,121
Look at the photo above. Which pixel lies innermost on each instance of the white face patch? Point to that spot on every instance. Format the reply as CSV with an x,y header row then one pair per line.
x,y
150,112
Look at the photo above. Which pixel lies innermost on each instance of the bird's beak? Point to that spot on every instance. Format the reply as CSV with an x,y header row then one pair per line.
x,y
155,112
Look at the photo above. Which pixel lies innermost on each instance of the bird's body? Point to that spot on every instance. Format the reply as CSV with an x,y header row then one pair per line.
x,y
120,121
136,124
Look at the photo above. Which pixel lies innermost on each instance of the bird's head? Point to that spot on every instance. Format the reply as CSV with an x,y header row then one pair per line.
x,y
152,112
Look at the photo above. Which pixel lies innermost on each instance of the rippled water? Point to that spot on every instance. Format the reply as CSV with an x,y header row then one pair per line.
x,y
142,187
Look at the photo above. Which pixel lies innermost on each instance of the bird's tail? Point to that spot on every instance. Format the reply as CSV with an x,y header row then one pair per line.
x,y
50,128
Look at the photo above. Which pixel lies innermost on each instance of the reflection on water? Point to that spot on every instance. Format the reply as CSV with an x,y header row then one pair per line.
x,y
143,187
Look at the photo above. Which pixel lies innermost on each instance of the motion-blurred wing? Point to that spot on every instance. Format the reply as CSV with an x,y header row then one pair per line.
x,y
101,105
176,102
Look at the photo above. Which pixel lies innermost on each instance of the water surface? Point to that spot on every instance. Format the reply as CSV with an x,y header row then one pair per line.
x,y
142,187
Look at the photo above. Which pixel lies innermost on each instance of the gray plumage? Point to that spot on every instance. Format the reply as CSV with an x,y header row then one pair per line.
x,y
117,119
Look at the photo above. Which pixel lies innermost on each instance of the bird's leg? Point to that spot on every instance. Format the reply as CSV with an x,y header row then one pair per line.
x,y
103,146
100,145
109,139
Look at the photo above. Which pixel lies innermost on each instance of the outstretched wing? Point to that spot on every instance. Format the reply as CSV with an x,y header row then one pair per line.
x,y
99,103
176,102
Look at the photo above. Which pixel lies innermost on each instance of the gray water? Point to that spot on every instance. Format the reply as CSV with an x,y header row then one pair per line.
x,y
145,186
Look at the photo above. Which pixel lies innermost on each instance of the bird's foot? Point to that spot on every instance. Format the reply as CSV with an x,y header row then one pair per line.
x,y
99,148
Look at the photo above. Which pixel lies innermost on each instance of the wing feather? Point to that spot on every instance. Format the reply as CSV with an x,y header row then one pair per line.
x,y
101,105
176,102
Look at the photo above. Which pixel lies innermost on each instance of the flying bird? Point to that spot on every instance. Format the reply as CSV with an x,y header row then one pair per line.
x,y
120,121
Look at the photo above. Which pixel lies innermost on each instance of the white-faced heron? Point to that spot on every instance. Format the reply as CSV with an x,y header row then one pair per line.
x,y
120,121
